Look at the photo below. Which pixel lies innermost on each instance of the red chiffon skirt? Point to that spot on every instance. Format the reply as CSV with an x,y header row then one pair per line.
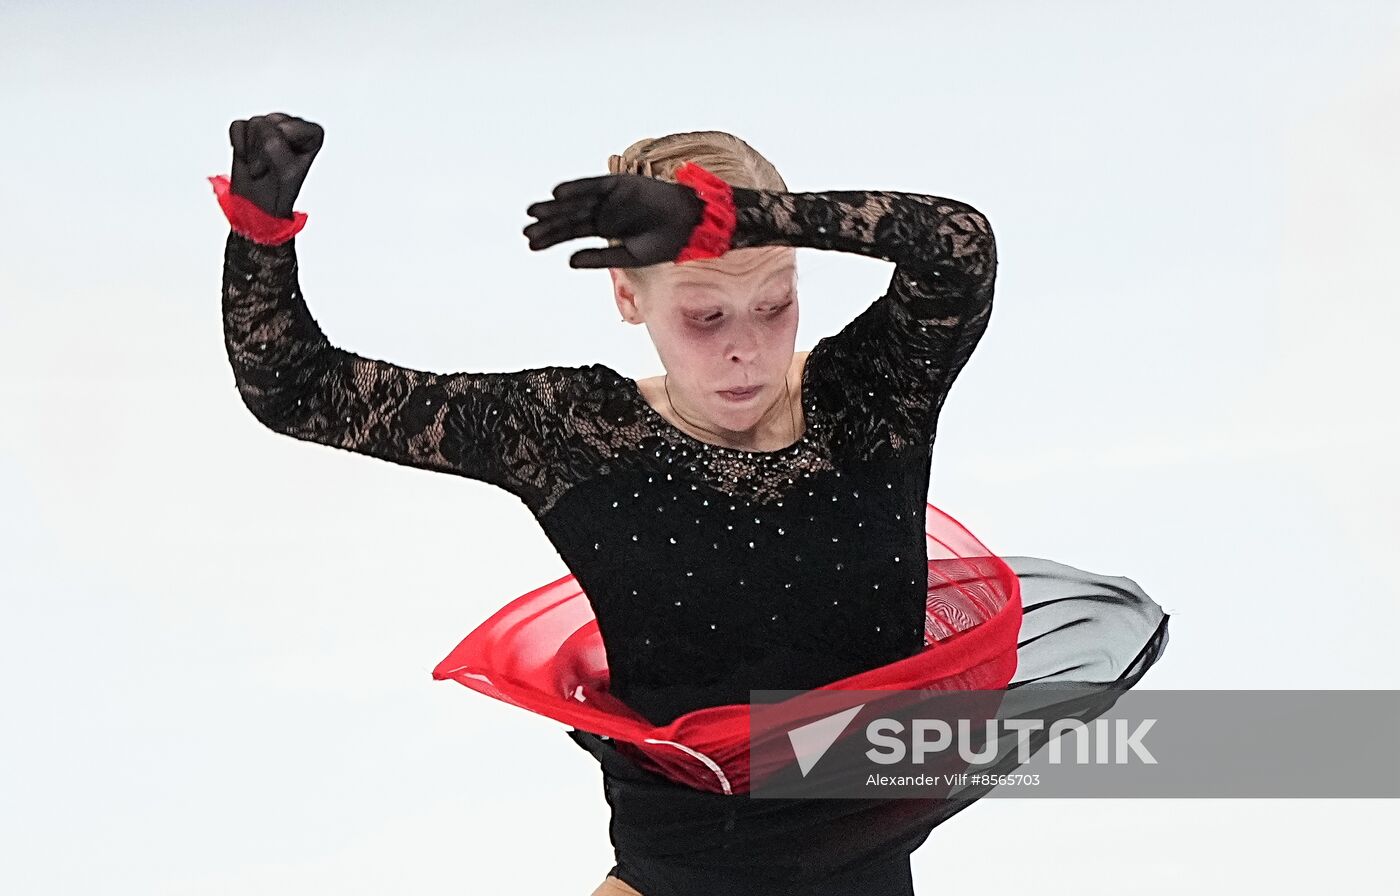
x,y
543,652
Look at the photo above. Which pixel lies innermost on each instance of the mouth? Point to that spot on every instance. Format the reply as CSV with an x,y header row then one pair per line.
x,y
739,394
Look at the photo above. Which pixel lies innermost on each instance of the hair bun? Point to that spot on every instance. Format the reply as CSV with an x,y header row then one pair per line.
x,y
729,158
629,163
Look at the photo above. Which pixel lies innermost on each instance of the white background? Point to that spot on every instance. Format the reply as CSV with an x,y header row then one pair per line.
x,y
217,641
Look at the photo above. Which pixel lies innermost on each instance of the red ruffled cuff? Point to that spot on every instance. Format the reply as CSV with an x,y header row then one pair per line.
x,y
248,220
714,235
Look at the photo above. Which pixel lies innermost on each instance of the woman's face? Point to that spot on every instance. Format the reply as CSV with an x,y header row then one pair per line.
x,y
720,324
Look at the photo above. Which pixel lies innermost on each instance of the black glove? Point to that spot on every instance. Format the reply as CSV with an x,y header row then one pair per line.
x,y
652,218
271,156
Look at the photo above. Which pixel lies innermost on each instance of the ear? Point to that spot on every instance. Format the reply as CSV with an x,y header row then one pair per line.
x,y
625,295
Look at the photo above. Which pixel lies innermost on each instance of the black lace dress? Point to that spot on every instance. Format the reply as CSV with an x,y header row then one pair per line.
x,y
714,571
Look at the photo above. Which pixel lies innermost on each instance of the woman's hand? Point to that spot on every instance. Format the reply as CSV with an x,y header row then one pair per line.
x,y
652,218
271,157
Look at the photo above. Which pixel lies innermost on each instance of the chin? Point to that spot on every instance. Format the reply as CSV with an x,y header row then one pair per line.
x,y
741,415
739,420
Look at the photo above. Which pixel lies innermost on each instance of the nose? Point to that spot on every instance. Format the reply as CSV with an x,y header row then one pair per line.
x,y
746,342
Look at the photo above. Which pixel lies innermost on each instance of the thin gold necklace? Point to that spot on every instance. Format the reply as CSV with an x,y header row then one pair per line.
x,y
787,397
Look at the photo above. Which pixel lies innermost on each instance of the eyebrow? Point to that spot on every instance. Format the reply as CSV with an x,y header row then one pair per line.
x,y
785,270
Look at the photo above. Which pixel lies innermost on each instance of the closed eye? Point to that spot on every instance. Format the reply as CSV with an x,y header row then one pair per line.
x,y
772,311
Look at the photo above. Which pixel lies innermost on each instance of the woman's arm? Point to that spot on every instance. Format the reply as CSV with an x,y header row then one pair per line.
x,y
487,426
897,360
507,429
905,350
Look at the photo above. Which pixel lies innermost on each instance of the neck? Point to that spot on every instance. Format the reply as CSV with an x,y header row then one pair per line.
x,y
777,425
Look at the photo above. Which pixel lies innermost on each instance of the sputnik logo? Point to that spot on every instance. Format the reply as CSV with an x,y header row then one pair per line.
x,y
811,741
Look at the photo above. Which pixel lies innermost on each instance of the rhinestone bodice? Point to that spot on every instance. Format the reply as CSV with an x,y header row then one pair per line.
x,y
711,571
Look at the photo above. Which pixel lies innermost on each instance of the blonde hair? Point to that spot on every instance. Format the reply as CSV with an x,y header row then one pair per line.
x,y
721,153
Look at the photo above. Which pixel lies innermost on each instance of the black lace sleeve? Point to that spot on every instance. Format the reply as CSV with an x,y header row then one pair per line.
x,y
500,428
899,357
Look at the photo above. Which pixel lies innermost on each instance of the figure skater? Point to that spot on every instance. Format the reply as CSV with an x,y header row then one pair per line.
x,y
758,522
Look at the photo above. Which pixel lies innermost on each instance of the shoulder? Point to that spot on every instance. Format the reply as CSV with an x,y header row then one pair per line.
x,y
592,398
535,397
565,382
